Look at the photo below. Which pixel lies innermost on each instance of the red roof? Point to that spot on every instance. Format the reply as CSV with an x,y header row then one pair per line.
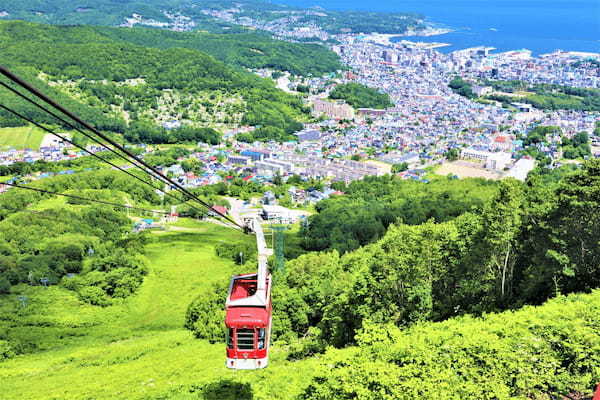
x,y
597,395
246,316
501,139
247,178
220,209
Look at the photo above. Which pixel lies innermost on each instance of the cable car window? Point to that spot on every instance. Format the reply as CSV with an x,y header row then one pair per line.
x,y
245,339
230,339
261,338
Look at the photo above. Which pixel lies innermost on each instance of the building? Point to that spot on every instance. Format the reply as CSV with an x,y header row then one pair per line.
x,y
278,214
308,135
239,160
390,56
523,107
173,124
217,211
371,112
256,155
482,90
333,109
522,168
497,161
269,168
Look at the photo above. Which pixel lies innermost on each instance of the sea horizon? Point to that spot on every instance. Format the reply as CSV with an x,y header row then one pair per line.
x,y
542,26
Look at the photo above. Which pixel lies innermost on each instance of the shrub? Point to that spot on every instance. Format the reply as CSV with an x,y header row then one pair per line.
x,y
536,353
94,295
239,252
6,350
205,316
225,389
4,285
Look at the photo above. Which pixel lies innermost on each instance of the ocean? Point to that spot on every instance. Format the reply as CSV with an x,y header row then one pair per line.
x,y
541,26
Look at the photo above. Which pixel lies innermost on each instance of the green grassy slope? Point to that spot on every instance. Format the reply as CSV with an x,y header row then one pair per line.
x,y
138,349
26,137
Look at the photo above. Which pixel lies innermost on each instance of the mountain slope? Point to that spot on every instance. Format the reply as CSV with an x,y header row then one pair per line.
x,y
131,83
137,349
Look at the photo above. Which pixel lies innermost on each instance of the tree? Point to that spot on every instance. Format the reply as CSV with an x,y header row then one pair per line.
x,y
452,154
396,168
205,315
564,237
502,219
4,285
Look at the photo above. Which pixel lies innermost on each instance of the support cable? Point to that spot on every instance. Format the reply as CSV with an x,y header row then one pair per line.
x,y
75,118
19,115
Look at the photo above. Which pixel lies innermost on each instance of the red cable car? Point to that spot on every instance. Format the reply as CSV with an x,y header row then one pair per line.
x,y
248,313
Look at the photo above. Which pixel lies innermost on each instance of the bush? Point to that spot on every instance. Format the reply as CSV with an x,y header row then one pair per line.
x,y
225,389
546,352
308,346
239,252
4,285
94,295
6,350
205,316
123,282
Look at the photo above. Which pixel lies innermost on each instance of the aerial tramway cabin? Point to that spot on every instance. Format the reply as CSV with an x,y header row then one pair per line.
x,y
248,313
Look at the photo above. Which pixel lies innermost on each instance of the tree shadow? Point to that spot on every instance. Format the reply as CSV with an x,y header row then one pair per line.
x,y
227,389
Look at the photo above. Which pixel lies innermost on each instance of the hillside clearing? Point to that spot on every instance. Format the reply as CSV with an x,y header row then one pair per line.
x,y
23,137
138,349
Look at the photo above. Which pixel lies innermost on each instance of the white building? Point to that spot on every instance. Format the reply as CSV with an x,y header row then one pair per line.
x,y
278,214
521,169
497,161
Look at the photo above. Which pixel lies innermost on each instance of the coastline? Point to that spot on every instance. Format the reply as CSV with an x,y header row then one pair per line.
x,y
387,39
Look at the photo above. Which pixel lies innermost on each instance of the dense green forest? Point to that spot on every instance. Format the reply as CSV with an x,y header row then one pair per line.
x,y
89,12
546,352
144,83
525,244
369,206
541,96
249,50
361,96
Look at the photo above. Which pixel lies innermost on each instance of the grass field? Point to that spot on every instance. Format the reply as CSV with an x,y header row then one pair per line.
x,y
24,137
137,349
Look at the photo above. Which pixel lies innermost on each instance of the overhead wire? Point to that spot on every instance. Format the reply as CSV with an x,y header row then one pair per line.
x,y
64,138
4,71
21,95
109,203
144,166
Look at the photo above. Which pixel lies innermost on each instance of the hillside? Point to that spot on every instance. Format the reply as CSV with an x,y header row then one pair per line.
x,y
116,84
253,50
139,350
534,353
210,15
415,314
19,138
